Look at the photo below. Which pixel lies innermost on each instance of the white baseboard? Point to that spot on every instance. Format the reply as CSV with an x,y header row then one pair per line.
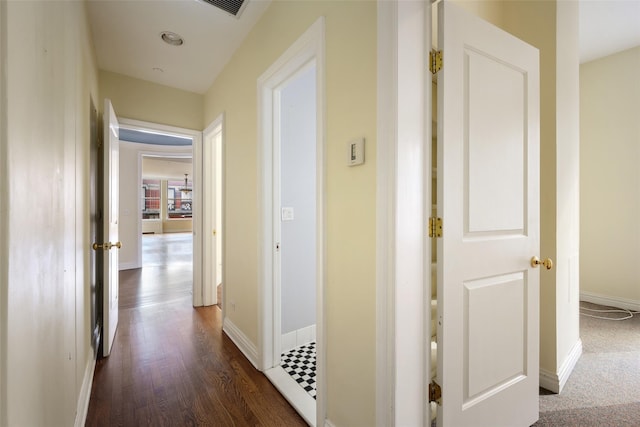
x,y
549,381
328,423
296,338
241,341
555,382
82,406
610,301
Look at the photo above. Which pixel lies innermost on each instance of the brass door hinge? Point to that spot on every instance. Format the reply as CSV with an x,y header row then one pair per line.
x,y
435,61
435,227
435,393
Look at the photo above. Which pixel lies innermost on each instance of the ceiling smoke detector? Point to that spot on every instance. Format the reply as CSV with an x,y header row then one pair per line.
x,y
172,38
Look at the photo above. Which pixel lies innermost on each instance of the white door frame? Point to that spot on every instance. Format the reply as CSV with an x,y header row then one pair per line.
x,y
196,148
308,48
210,201
403,197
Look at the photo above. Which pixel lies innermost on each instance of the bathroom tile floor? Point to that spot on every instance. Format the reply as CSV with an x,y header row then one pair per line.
x,y
300,364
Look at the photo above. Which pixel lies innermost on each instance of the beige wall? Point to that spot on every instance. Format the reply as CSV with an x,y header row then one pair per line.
x,y
567,260
350,192
610,176
489,10
142,100
50,77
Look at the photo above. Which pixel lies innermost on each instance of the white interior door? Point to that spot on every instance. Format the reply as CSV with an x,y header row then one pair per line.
x,y
488,191
218,210
211,197
110,217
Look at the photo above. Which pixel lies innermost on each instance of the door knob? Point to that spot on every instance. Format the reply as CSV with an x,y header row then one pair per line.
x,y
106,246
547,262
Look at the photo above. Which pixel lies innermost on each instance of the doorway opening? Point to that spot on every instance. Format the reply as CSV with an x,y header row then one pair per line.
x,y
167,226
212,202
167,213
295,259
164,162
291,100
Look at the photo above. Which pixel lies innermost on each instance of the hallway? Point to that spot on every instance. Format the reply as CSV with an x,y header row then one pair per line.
x,y
171,365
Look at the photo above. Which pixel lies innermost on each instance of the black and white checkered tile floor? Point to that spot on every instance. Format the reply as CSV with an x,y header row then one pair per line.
x,y
300,363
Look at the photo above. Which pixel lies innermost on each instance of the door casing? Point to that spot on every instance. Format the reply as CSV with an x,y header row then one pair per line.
x,y
307,49
401,196
213,217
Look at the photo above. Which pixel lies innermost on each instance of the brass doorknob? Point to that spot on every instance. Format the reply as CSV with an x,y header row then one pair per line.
x,y
106,246
547,262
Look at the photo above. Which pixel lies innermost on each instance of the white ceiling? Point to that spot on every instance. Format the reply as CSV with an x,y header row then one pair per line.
x,y
126,35
607,27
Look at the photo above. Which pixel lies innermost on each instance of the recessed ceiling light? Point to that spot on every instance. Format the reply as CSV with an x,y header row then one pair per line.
x,y
172,38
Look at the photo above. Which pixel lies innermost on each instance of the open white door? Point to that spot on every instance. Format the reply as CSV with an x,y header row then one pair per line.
x,y
212,200
111,243
488,190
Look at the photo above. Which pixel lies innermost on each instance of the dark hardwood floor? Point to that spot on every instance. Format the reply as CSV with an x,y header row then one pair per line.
x,y
171,364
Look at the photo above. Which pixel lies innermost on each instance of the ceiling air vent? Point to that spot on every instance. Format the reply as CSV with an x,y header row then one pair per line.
x,y
234,7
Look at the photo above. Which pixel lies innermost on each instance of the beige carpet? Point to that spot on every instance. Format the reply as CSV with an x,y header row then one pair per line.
x,y
604,388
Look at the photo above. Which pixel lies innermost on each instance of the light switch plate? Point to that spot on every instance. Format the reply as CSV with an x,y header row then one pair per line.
x,y
355,152
287,214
